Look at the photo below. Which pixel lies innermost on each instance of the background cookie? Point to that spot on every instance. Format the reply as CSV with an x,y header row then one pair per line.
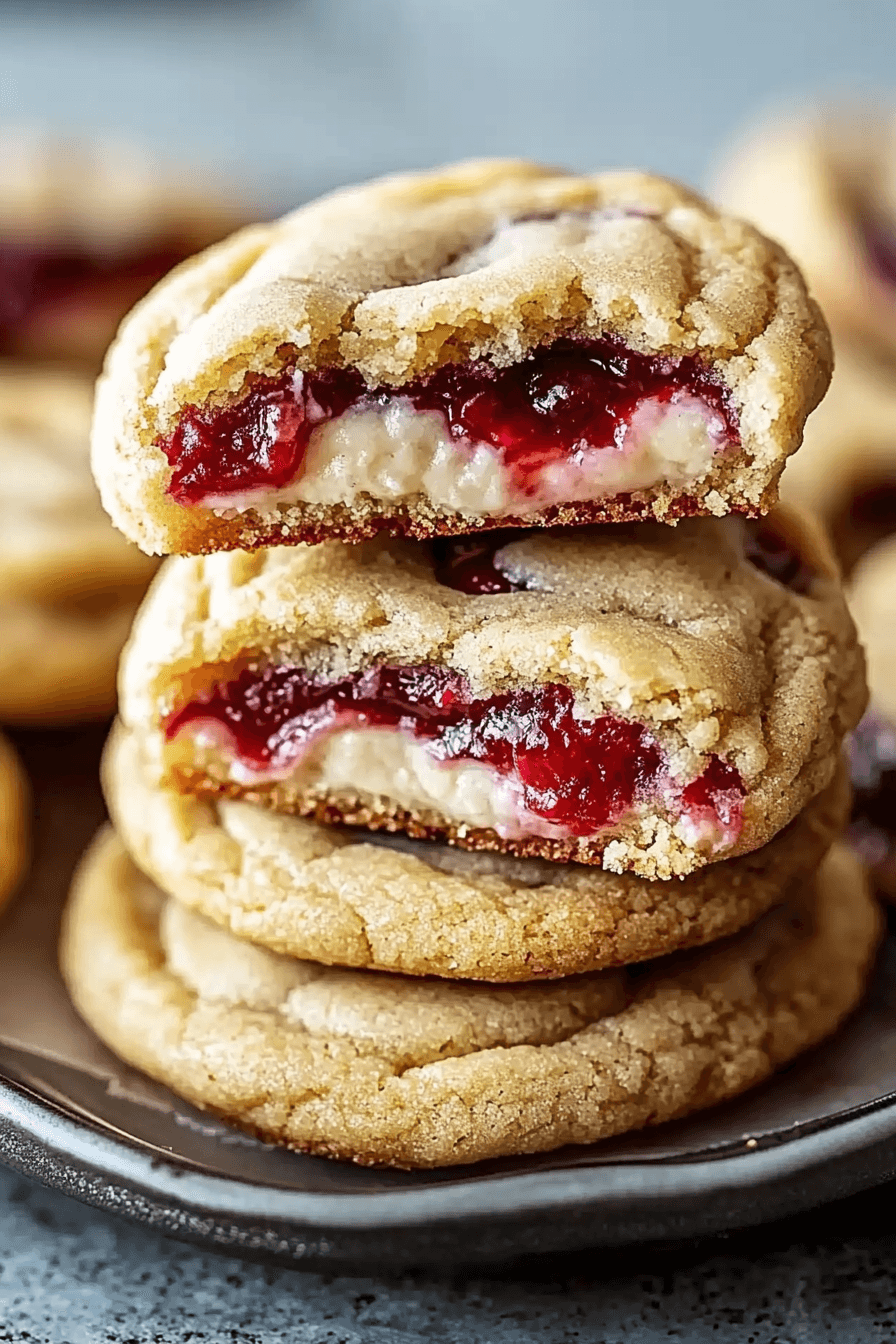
x,y
429,330
13,820
824,185
86,228
331,895
69,583
873,744
644,697
845,471
386,1070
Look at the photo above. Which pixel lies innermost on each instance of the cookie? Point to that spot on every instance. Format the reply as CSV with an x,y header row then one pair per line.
x,y
444,352
388,1070
331,895
86,228
69,583
845,471
824,185
13,821
642,697
873,745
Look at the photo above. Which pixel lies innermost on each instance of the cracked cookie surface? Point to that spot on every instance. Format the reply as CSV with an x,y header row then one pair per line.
x,y
484,264
348,898
617,649
69,583
393,1071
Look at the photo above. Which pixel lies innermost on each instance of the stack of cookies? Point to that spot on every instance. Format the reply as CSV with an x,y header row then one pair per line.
x,y
478,764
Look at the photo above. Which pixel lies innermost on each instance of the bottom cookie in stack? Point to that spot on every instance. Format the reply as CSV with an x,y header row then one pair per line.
x,y
412,1070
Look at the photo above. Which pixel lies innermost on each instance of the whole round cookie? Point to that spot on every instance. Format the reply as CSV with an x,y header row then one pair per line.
x,y
443,352
823,184
645,698
69,583
845,471
394,1071
14,795
87,227
348,898
873,745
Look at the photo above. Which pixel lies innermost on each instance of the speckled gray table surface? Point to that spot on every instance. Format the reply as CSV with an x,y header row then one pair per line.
x,y
69,1275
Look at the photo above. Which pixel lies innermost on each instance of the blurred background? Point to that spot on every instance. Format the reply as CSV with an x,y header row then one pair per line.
x,y
296,96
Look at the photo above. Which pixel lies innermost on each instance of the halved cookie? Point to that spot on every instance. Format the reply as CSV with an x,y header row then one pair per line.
x,y
69,583
86,228
450,351
392,1071
352,898
642,697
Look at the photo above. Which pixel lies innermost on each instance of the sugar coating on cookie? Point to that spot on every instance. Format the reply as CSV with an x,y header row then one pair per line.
x,y
646,698
355,898
449,351
823,183
13,820
394,1071
69,583
86,228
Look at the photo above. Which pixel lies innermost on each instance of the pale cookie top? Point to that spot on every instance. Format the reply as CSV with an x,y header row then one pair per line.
x,y
416,1072
484,259
675,627
333,895
55,540
103,195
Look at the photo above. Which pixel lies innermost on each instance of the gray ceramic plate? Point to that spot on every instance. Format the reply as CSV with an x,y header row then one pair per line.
x,y
73,1117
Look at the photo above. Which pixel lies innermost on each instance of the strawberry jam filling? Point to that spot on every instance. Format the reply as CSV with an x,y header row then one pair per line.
x,y
468,564
581,775
37,278
562,403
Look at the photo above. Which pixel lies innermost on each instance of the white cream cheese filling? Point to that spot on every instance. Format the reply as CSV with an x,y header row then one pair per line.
x,y
389,451
384,763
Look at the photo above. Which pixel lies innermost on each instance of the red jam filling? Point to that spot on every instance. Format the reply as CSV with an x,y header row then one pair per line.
x,y
559,401
580,774
879,245
36,278
469,565
872,761
774,554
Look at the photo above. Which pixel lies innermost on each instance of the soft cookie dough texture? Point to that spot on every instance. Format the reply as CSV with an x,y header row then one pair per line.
x,y
14,795
672,627
401,276
350,898
69,583
418,1073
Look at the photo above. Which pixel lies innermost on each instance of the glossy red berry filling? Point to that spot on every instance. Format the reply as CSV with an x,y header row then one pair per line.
x,y
36,278
468,563
548,409
579,774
